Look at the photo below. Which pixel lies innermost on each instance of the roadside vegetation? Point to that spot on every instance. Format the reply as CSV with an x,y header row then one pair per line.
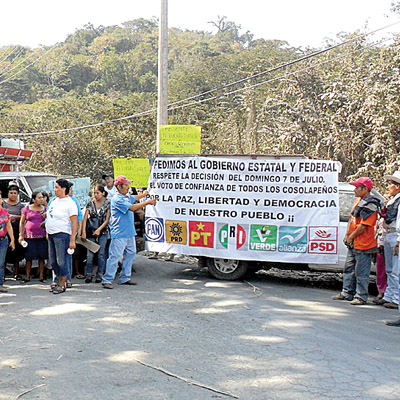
x,y
343,104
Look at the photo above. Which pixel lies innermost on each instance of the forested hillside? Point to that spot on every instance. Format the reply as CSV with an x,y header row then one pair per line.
x,y
343,104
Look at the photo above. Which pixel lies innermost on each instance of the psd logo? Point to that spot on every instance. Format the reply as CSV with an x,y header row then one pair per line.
x,y
263,237
154,229
232,236
201,234
323,240
293,239
176,232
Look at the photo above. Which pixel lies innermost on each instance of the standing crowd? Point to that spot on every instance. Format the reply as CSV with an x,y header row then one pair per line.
x,y
373,232
48,231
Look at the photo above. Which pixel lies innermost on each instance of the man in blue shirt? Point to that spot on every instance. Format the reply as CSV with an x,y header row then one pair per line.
x,y
122,228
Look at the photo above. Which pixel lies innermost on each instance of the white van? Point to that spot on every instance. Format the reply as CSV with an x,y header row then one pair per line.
x,y
28,182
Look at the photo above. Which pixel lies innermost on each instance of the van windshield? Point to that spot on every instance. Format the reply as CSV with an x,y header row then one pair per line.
x,y
40,182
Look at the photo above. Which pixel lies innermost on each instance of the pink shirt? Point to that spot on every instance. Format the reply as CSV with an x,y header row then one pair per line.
x,y
33,219
4,218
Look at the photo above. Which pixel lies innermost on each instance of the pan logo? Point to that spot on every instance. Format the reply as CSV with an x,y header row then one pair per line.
x,y
231,236
292,239
154,228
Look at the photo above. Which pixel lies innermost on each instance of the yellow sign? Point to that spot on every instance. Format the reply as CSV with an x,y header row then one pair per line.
x,y
136,170
180,139
176,232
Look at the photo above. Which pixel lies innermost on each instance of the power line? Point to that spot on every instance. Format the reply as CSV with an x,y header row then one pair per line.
x,y
9,54
25,59
27,66
269,80
144,113
4,70
284,65
141,114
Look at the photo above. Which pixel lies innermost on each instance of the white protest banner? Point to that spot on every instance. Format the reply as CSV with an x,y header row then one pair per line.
x,y
245,208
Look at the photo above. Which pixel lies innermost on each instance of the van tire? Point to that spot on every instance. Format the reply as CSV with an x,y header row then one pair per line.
x,y
228,270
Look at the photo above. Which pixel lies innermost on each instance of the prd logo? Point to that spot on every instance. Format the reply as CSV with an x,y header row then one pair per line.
x,y
293,239
154,229
263,237
232,236
176,232
201,234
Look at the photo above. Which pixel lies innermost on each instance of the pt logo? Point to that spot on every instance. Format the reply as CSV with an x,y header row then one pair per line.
x,y
263,237
154,229
231,236
292,239
176,232
201,234
323,240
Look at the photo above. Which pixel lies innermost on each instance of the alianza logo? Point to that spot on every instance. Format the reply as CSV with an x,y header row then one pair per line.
x,y
292,239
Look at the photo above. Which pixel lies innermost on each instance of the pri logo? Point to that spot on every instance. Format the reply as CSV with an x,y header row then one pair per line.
x,y
263,237
154,229
176,232
323,240
293,239
201,234
232,236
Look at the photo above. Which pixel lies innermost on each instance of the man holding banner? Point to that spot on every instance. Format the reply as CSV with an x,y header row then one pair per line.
x,y
122,228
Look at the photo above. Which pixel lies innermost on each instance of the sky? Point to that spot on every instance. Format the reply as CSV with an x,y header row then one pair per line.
x,y
301,23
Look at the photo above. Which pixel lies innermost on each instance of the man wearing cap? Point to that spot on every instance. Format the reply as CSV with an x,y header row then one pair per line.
x,y
122,228
110,187
392,220
361,242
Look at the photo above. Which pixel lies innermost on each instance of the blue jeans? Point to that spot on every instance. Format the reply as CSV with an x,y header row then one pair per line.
x,y
356,274
120,247
3,252
58,256
392,269
101,257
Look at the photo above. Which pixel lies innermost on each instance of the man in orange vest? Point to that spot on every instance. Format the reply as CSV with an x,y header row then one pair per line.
x,y
361,242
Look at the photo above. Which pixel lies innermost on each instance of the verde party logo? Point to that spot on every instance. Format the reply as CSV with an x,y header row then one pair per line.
x,y
292,239
263,237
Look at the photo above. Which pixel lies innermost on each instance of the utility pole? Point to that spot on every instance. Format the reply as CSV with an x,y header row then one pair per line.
x,y
162,111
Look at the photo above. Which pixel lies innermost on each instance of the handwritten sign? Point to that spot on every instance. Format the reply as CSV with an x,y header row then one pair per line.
x,y
81,190
136,170
180,139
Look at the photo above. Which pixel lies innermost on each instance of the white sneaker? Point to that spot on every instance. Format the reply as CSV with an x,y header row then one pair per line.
x,y
3,289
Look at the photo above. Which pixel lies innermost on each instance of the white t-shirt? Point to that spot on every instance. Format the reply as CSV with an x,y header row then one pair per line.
x,y
110,192
58,215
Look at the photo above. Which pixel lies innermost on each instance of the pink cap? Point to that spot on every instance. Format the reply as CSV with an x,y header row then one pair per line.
x,y
363,181
122,180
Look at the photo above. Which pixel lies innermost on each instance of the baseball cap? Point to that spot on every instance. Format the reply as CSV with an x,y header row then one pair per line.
x,y
395,177
363,181
122,180
107,176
